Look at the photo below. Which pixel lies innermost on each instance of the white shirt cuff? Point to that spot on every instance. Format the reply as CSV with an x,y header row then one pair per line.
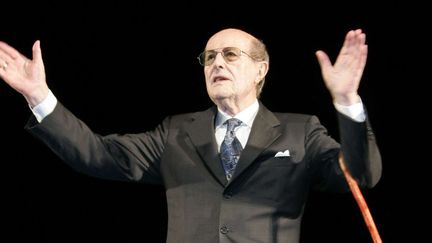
x,y
355,112
45,108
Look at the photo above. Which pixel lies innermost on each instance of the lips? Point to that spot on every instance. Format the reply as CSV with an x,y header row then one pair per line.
x,y
219,78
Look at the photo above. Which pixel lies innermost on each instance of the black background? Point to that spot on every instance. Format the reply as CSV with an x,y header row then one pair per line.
x,y
123,66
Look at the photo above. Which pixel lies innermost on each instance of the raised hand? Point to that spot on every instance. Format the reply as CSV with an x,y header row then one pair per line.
x,y
343,77
27,76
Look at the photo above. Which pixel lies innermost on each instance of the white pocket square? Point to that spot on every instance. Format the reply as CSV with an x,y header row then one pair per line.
x,y
285,153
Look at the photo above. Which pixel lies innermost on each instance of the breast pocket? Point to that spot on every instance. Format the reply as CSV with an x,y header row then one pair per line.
x,y
278,158
278,162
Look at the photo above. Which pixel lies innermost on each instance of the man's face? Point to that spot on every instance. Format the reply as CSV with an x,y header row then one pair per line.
x,y
227,77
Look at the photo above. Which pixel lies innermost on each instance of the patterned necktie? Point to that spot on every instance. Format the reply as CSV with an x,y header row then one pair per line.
x,y
230,148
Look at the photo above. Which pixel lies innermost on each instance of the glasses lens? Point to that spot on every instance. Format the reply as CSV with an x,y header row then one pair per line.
x,y
230,54
207,57
201,58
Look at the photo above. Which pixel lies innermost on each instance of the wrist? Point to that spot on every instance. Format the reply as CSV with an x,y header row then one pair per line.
x,y
347,100
36,96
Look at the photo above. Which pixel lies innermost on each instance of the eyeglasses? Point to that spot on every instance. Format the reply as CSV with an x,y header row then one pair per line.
x,y
230,54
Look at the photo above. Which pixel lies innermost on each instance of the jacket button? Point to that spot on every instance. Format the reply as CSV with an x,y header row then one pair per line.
x,y
228,195
224,230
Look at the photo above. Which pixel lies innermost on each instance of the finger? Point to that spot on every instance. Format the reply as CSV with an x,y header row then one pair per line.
x,y
9,50
360,50
5,57
3,68
363,56
349,40
3,64
355,42
359,38
347,46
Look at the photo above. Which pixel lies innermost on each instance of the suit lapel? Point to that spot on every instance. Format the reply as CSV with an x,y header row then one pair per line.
x,y
263,133
202,134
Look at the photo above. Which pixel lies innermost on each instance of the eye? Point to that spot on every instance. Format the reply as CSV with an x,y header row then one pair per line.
x,y
231,54
209,56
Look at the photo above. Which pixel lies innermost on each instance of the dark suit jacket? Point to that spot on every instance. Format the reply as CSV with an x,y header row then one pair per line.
x,y
264,200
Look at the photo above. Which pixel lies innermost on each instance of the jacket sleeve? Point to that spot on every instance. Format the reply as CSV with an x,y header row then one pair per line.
x,y
357,145
360,151
128,157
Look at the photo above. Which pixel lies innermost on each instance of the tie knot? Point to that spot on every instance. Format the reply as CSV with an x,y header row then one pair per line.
x,y
232,123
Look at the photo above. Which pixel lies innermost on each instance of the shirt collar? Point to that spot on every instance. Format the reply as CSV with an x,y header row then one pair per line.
x,y
247,115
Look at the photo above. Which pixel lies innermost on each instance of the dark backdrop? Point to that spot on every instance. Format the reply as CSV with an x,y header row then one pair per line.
x,y
123,66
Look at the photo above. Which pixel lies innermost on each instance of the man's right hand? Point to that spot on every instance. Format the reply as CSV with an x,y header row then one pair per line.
x,y
27,76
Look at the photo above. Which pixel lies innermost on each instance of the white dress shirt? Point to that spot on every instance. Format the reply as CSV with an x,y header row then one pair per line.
x,y
247,116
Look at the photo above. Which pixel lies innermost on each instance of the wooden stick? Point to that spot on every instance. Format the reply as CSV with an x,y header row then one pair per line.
x,y
360,201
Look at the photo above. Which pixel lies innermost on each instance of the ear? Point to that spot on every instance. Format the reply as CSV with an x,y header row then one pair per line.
x,y
262,71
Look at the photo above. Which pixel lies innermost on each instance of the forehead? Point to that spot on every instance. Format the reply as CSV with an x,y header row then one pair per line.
x,y
230,38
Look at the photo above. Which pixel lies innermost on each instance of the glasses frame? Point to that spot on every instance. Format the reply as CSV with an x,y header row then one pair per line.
x,y
200,57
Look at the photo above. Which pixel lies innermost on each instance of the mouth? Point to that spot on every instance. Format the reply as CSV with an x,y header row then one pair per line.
x,y
217,79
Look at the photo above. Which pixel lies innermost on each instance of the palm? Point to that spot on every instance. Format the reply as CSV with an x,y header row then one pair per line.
x,y
343,78
22,74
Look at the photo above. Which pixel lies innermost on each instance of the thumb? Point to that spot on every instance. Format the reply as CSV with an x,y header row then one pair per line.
x,y
323,59
36,51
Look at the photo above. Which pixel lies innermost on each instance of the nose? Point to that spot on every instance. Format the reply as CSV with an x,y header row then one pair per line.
x,y
219,59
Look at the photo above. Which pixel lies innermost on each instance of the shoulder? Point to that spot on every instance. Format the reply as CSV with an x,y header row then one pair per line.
x,y
297,122
191,117
289,117
285,117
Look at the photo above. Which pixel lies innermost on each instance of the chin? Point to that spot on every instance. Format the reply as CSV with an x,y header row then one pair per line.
x,y
222,94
